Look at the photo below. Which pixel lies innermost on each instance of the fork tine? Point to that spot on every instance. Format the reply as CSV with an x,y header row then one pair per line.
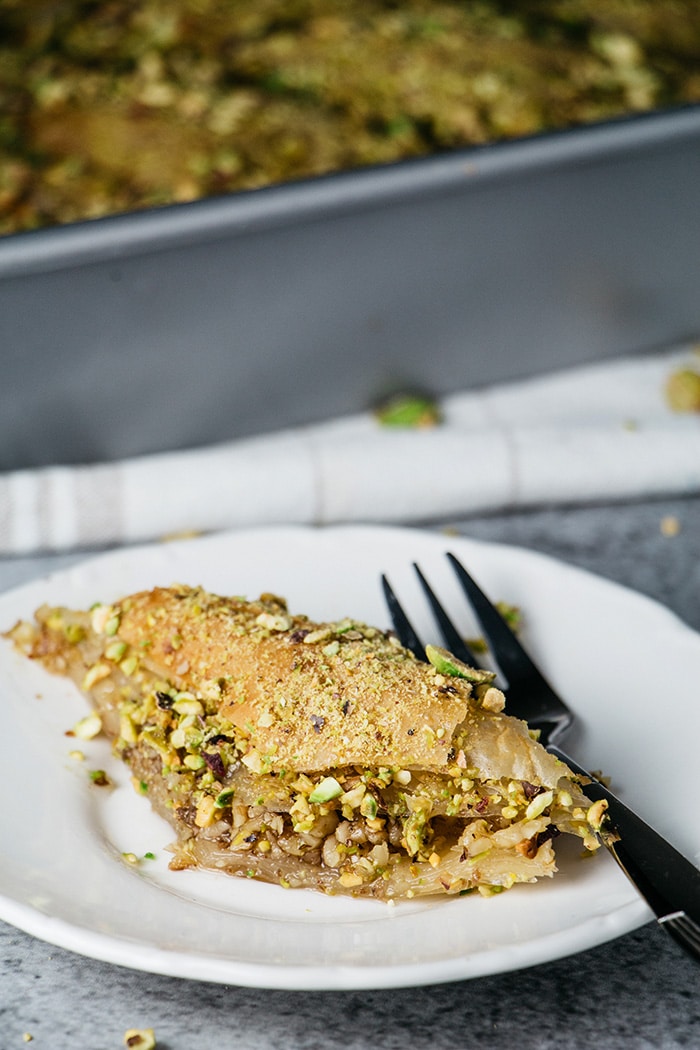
x,y
684,931
453,639
513,661
402,625
530,695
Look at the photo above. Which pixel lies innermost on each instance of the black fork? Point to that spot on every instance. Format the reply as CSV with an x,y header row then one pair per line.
x,y
668,882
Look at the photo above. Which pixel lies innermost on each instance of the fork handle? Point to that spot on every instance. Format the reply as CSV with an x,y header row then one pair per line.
x,y
669,883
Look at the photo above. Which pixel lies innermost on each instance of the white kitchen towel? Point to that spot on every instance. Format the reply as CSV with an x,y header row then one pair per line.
x,y
599,432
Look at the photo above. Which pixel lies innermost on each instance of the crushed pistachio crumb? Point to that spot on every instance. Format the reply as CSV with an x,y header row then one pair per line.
x,y
129,665
350,879
274,622
683,390
412,411
325,790
206,811
445,663
368,806
322,634
74,633
489,891
539,804
94,675
670,525
223,798
101,614
186,705
493,700
140,1039
194,762
99,778
596,813
115,651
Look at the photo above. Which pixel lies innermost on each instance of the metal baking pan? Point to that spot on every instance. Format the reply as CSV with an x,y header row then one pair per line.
x,y
208,321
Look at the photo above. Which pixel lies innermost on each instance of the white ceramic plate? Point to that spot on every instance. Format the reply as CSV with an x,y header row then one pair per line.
x,y
62,874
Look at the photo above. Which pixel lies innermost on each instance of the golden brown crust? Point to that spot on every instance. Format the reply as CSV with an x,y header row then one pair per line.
x,y
308,696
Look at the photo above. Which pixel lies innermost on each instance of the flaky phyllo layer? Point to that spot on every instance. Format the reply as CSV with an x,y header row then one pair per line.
x,y
318,755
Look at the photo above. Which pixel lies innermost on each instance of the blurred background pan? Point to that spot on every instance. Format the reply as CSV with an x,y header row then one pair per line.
x,y
236,315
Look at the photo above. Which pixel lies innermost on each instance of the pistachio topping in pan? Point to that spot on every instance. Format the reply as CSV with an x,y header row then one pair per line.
x,y
114,106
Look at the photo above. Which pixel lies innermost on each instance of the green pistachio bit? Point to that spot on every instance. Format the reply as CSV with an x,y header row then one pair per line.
x,y
414,831
538,805
194,761
127,729
444,662
223,798
409,410
327,789
683,390
512,614
99,777
88,727
344,625
112,625
368,807
155,738
178,738
149,856
188,706
74,633
129,665
115,651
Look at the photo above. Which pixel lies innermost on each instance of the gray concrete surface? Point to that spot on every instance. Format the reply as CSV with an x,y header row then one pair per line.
x,y
637,993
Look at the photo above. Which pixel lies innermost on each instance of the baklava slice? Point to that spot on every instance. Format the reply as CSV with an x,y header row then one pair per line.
x,y
320,755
